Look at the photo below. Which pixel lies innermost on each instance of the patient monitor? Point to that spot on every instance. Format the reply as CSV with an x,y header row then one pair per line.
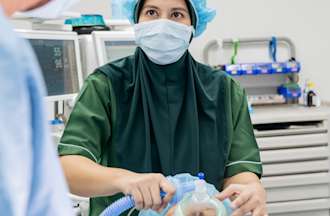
x,y
102,47
58,54
59,58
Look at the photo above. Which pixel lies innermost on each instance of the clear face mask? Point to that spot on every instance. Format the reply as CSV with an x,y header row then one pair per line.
x,y
200,203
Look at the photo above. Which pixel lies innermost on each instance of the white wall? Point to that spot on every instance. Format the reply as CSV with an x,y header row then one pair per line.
x,y
306,22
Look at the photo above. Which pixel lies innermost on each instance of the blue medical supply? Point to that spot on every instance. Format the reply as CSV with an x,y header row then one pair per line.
x,y
87,23
290,91
292,67
86,20
204,15
174,38
57,125
201,176
234,70
273,49
263,68
250,107
249,69
118,207
274,67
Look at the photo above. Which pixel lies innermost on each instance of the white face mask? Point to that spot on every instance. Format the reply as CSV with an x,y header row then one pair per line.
x,y
163,41
51,10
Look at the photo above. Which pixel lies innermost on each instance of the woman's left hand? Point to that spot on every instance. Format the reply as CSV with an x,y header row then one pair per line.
x,y
249,198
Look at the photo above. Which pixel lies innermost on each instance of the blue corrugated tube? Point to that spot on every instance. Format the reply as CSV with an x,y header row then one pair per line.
x,y
118,207
127,202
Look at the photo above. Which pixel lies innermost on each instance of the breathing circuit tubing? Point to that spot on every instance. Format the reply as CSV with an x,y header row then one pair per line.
x,y
127,202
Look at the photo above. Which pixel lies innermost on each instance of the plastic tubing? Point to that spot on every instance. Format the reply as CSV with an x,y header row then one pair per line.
x,y
127,202
118,207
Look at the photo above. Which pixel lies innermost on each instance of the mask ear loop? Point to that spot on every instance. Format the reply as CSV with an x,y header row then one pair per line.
x,y
273,49
193,17
236,45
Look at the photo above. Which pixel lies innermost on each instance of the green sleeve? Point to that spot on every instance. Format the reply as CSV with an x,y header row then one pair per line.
x,y
244,155
88,127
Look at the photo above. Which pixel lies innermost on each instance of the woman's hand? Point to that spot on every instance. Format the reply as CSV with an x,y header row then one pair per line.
x,y
249,198
145,190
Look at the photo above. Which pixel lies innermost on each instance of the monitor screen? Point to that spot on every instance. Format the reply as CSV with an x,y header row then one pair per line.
x,y
118,49
57,59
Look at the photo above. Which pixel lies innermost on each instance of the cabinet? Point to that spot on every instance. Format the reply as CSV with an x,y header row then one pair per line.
x,y
294,145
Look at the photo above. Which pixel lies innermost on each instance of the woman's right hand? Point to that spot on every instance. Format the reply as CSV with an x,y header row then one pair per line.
x,y
145,190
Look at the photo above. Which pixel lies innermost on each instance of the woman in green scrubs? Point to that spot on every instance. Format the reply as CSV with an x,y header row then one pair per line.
x,y
158,113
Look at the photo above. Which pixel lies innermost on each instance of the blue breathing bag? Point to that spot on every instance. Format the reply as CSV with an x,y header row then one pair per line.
x,y
184,184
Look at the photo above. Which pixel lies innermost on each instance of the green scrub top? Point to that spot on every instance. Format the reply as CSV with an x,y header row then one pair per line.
x,y
181,118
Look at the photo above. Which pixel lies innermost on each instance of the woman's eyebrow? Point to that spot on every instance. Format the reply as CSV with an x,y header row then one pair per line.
x,y
150,7
180,9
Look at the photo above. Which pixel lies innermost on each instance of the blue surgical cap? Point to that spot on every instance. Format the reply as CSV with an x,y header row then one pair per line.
x,y
204,15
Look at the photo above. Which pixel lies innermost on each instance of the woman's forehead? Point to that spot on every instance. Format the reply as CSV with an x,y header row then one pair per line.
x,y
166,3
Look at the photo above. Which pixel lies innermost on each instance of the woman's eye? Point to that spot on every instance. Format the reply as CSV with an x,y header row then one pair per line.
x,y
177,15
151,13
